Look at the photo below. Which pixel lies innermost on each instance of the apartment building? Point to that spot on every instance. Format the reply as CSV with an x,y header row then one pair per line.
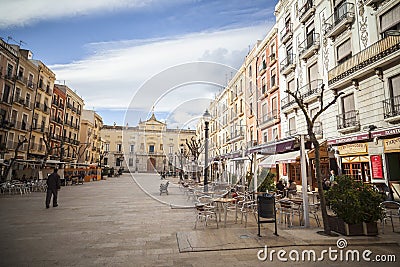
x,y
56,128
150,146
73,110
40,121
362,55
89,137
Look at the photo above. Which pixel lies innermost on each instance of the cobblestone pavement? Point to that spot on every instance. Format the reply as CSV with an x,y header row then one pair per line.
x,y
115,223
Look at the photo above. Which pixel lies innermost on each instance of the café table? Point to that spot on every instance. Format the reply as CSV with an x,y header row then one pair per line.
x,y
224,202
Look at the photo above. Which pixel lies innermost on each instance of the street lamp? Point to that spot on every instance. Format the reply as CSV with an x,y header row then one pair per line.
x,y
206,118
181,160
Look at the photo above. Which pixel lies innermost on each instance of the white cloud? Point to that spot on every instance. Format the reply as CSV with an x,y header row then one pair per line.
x,y
22,12
111,77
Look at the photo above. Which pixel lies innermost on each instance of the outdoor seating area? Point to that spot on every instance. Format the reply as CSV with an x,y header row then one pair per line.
x,y
224,205
17,187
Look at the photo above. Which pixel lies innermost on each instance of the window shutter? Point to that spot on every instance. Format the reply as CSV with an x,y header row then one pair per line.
x,y
395,85
390,18
313,73
343,49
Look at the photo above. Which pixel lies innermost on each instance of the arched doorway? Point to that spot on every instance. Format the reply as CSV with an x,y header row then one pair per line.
x,y
151,164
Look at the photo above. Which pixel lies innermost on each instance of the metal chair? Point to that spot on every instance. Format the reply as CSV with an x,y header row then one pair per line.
x,y
391,210
205,210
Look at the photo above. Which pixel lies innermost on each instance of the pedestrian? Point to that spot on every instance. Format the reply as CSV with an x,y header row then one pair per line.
x,y
53,185
332,177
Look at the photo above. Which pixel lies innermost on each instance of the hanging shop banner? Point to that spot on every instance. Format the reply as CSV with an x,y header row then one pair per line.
x,y
376,165
353,149
392,145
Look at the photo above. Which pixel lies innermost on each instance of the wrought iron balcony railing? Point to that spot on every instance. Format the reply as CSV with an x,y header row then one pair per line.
x,y
286,33
306,11
348,120
375,52
311,89
391,107
338,21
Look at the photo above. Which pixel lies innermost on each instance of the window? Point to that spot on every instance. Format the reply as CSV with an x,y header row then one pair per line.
x,y
28,100
265,137
250,71
348,103
343,51
24,122
6,94
161,147
291,88
130,162
10,69
264,110
132,148
171,149
273,77
263,89
312,73
119,147
390,20
20,73
17,94
292,126
107,147
151,148
30,80
251,108
274,106
275,134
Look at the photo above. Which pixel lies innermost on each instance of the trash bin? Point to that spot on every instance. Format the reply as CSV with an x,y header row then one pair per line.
x,y
266,210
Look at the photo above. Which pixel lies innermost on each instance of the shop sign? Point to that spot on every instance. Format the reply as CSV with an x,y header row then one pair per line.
x,y
391,145
348,149
385,132
376,165
349,139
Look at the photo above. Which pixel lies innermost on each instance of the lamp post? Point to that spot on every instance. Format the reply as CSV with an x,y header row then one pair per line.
x,y
181,160
206,118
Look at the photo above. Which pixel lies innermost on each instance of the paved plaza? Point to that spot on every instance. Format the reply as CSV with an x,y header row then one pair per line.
x,y
116,222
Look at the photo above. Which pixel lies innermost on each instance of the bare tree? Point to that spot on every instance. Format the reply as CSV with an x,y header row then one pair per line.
x,y
195,147
49,149
310,131
14,158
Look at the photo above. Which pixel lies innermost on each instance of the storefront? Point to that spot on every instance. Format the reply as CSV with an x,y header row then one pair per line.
x,y
355,161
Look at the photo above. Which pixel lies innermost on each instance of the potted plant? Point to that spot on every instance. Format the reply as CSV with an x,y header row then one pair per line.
x,y
267,184
356,206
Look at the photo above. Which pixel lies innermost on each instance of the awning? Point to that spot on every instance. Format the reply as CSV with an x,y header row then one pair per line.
x,y
271,161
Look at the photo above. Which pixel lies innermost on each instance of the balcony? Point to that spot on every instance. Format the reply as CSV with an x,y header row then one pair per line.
x,y
287,65
340,20
306,11
311,91
21,79
235,136
381,53
288,103
391,109
373,3
286,33
309,46
19,100
291,132
348,121
31,85
56,119
269,119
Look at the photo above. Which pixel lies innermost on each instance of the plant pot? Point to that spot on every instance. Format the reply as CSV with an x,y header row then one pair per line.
x,y
339,226
336,224
370,228
354,229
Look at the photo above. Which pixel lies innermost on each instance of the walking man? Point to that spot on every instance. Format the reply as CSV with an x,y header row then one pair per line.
x,y
53,185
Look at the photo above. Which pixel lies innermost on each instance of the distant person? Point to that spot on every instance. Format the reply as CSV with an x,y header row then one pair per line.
x,y
326,184
291,188
53,185
280,186
332,177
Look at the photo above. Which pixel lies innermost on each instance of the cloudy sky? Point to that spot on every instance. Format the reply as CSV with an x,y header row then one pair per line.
x,y
170,56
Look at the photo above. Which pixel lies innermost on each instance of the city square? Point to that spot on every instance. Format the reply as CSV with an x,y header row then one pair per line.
x,y
197,133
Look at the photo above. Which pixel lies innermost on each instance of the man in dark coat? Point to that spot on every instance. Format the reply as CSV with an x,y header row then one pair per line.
x,y
53,185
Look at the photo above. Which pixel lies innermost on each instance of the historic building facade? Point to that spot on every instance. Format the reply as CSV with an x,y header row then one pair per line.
x,y
90,146
148,147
